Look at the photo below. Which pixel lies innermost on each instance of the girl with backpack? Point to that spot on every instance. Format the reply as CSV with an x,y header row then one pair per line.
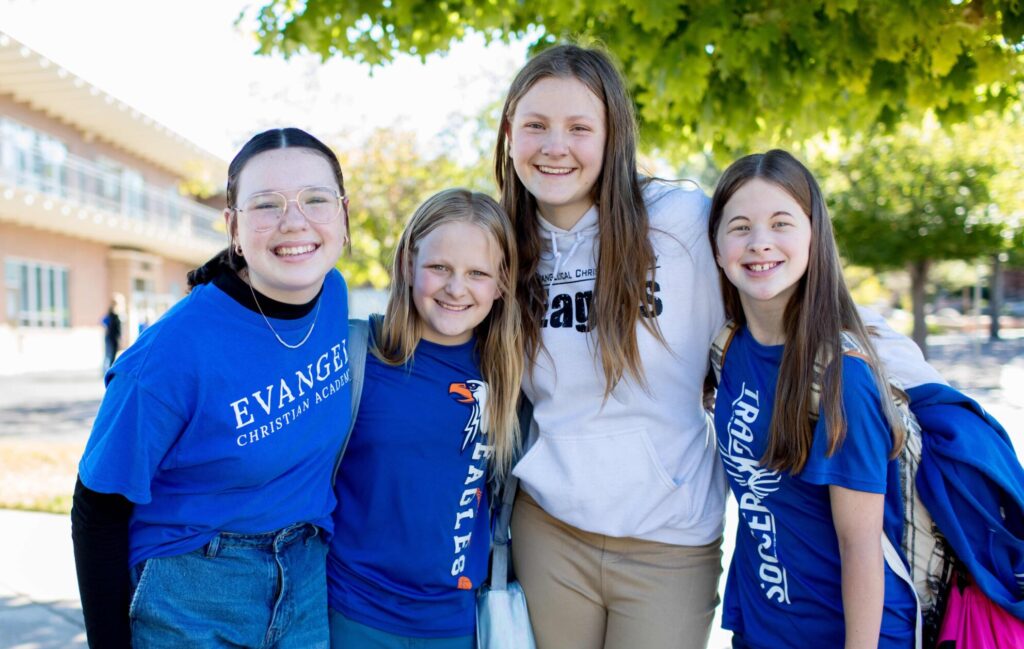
x,y
204,496
436,421
814,499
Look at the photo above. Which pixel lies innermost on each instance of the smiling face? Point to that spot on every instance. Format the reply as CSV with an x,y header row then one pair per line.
x,y
557,135
763,241
454,281
288,262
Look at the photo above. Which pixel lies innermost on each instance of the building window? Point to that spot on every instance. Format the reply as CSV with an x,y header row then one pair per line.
x,y
133,197
35,159
37,294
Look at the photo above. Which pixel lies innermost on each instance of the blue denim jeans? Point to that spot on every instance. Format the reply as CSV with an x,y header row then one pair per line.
x,y
265,591
349,634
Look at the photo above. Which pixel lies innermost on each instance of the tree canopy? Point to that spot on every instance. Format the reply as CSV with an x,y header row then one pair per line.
x,y
711,73
927,194
916,196
389,177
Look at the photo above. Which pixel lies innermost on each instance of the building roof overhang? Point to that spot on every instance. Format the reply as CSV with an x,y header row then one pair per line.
x,y
48,87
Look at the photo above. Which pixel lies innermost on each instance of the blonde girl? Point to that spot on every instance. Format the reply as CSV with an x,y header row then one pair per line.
x,y
814,499
436,420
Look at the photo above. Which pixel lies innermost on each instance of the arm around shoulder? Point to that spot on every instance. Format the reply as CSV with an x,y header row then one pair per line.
x,y
902,358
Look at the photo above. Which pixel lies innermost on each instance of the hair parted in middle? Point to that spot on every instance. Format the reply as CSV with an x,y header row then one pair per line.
x,y
626,254
271,140
498,338
817,313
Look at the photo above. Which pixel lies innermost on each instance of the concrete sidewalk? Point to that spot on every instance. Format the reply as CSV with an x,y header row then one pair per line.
x,y
39,607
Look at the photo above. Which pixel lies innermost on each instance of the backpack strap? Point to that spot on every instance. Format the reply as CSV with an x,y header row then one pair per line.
x,y
500,538
720,346
850,346
357,344
895,563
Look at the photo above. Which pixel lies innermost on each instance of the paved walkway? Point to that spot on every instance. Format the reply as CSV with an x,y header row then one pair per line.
x,y
39,606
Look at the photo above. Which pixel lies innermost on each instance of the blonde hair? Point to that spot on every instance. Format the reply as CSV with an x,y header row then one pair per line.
x,y
498,337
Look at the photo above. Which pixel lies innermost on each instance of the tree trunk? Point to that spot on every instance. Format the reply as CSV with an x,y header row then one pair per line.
x,y
995,296
918,280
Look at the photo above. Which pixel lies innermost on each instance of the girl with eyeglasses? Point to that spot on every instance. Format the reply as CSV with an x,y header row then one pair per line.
x,y
204,492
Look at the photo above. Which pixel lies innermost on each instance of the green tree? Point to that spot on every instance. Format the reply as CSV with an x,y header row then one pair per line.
x,y
911,198
715,74
1000,139
386,178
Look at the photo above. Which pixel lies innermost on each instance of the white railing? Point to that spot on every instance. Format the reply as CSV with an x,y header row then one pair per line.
x,y
88,184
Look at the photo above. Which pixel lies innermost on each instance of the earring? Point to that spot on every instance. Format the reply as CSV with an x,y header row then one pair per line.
x,y
238,249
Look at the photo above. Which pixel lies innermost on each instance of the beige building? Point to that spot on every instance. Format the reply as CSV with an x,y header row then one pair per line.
x,y
91,211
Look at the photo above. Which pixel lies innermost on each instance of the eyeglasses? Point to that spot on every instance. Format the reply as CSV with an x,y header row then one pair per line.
x,y
266,209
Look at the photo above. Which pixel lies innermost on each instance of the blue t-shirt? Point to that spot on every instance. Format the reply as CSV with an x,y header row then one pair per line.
x,y
412,528
210,425
784,583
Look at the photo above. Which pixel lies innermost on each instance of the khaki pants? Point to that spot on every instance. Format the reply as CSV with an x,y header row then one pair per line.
x,y
590,591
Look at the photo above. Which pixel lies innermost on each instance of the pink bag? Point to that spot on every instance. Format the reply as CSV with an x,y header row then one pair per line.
x,y
973,621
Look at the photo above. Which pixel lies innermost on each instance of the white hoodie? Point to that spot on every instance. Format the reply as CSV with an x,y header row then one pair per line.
x,y
642,464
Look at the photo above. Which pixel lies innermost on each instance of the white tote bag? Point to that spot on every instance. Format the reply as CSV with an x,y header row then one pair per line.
x,y
502,620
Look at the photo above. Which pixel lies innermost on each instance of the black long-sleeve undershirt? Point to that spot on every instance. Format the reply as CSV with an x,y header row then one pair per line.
x,y
99,532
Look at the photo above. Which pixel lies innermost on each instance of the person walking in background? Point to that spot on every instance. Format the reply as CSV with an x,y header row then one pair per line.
x,y
111,336
204,493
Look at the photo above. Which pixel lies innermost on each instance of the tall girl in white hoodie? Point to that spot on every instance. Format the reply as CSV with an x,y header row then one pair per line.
x,y
617,530
618,525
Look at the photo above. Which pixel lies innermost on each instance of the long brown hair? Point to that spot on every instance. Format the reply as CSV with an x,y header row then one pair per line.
x,y
498,338
626,256
817,313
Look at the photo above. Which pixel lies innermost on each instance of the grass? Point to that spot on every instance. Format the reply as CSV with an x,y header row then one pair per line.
x,y
38,475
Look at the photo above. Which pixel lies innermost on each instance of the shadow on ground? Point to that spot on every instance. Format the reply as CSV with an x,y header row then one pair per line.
x,y
985,368
58,418
28,624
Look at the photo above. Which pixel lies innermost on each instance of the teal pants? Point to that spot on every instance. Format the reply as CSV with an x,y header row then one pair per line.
x,y
348,634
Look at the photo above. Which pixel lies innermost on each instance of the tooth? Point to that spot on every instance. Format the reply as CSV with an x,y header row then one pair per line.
x,y
295,250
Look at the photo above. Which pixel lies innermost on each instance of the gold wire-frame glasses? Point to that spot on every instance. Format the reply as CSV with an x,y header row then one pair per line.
x,y
266,209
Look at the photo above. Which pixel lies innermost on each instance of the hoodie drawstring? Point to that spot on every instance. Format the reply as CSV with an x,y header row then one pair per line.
x,y
559,259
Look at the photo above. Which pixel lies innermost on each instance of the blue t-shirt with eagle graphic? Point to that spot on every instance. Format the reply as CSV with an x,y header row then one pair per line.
x,y
412,526
784,586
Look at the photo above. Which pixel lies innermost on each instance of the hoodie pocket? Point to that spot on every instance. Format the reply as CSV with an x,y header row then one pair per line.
x,y
611,483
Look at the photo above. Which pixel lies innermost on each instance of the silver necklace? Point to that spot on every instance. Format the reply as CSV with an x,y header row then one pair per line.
x,y
271,327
